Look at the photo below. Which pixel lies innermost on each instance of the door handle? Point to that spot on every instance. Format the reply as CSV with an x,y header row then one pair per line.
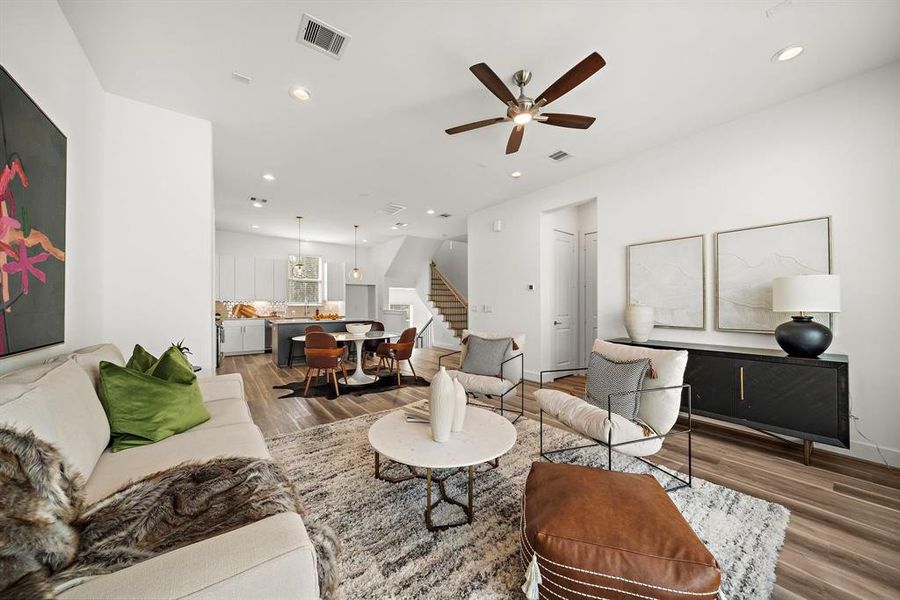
x,y
742,384
557,322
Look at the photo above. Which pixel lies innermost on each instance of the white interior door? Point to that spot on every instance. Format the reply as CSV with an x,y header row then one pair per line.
x,y
357,306
565,306
590,294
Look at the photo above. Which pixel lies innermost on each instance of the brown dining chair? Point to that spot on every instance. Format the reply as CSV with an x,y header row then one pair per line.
x,y
402,349
309,329
371,346
322,353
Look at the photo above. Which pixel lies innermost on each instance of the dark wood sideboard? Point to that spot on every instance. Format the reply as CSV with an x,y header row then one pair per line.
x,y
805,398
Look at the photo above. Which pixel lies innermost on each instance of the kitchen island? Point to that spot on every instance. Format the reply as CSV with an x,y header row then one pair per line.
x,y
284,328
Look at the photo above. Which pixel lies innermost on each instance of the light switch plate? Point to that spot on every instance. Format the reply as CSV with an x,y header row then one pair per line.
x,y
474,308
487,308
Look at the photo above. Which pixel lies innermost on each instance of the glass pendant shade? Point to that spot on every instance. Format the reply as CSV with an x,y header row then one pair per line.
x,y
355,273
297,268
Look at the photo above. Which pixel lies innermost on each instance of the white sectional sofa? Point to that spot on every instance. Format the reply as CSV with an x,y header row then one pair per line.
x,y
272,558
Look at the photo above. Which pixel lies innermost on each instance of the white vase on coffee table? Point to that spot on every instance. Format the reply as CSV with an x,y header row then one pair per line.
x,y
459,406
639,322
442,406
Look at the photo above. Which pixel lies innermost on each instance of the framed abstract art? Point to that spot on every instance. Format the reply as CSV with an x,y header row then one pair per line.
x,y
747,260
32,223
670,276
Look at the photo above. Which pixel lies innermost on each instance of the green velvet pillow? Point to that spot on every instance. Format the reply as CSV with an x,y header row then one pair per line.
x,y
140,360
144,408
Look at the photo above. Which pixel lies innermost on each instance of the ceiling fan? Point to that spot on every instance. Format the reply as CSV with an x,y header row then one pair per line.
x,y
523,109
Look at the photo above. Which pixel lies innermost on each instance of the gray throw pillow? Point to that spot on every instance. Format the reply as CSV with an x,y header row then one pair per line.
x,y
483,356
605,377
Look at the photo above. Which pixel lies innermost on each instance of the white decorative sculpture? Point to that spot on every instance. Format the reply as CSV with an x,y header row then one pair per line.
x,y
639,322
459,406
442,405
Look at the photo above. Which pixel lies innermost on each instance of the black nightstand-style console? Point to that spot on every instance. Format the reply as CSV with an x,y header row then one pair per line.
x,y
806,398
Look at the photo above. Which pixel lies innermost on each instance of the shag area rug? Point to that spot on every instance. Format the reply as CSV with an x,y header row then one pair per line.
x,y
389,554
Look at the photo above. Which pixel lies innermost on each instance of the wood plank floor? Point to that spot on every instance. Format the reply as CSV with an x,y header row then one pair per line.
x,y
843,540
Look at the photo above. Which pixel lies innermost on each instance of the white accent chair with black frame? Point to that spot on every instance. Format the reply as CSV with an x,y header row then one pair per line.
x,y
654,394
498,372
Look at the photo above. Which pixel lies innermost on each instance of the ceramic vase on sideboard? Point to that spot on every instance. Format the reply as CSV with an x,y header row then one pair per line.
x,y
442,405
639,322
459,406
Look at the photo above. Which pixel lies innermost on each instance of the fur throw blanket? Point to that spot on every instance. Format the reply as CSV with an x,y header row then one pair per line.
x,y
49,540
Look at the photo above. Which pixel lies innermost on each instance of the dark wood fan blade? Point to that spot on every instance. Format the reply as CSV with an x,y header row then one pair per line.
x,y
475,125
576,75
490,80
515,139
564,120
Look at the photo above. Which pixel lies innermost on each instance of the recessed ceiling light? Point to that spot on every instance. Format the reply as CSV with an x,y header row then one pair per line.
x,y
394,227
364,241
786,54
254,227
268,177
402,224
257,205
516,174
300,93
429,211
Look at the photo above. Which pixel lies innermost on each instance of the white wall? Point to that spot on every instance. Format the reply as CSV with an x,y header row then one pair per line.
x,y
833,152
158,229
40,51
452,259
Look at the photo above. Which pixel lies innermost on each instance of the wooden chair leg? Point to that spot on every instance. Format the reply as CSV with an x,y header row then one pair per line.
x,y
291,354
334,378
412,368
344,371
398,370
308,381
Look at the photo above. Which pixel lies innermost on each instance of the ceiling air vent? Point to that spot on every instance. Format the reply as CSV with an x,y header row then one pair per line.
x,y
322,37
391,208
445,215
560,155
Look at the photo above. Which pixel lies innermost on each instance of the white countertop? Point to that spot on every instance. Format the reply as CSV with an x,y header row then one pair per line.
x,y
296,320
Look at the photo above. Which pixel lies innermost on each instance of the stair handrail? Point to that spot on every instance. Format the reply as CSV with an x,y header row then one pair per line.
x,y
450,286
422,333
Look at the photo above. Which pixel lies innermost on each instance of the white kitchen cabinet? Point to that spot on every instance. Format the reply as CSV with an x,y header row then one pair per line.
x,y
243,278
264,279
244,336
335,281
279,284
225,278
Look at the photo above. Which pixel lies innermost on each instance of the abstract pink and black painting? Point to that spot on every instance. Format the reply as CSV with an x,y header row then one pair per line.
x,y
32,223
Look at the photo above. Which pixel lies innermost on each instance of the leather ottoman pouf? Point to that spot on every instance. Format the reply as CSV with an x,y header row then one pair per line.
x,y
604,534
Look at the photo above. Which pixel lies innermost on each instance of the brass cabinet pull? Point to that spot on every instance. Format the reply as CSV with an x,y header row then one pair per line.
x,y
742,384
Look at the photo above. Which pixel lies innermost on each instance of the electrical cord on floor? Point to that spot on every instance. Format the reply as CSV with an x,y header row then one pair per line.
x,y
855,420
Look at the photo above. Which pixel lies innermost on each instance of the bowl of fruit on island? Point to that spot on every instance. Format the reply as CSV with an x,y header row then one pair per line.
x,y
326,316
358,328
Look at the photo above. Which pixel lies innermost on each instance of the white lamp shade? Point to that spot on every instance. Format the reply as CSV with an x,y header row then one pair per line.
x,y
807,293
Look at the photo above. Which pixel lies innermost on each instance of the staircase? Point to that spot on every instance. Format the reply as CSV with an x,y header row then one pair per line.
x,y
448,302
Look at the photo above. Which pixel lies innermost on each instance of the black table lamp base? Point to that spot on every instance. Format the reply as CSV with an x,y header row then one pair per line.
x,y
803,337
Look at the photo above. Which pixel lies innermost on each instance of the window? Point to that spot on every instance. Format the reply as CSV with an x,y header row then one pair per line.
x,y
306,289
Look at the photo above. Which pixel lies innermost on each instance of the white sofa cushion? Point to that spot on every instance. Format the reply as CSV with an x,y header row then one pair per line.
x,y
114,470
594,422
482,384
659,410
272,559
221,387
89,359
229,411
512,370
60,407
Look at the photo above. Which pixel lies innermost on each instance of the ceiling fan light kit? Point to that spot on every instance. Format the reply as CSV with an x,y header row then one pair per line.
x,y
524,109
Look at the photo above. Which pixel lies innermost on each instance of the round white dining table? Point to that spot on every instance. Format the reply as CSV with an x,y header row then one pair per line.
x,y
359,377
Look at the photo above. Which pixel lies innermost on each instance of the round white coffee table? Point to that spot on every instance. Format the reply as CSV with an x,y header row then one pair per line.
x,y
485,437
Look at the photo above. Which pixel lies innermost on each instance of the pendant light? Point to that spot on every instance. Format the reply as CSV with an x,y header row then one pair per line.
x,y
297,268
355,274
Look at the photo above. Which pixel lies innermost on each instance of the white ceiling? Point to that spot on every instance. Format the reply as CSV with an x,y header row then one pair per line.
x,y
373,131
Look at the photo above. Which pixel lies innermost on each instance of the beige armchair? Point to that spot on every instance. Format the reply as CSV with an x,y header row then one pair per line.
x,y
660,406
504,384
